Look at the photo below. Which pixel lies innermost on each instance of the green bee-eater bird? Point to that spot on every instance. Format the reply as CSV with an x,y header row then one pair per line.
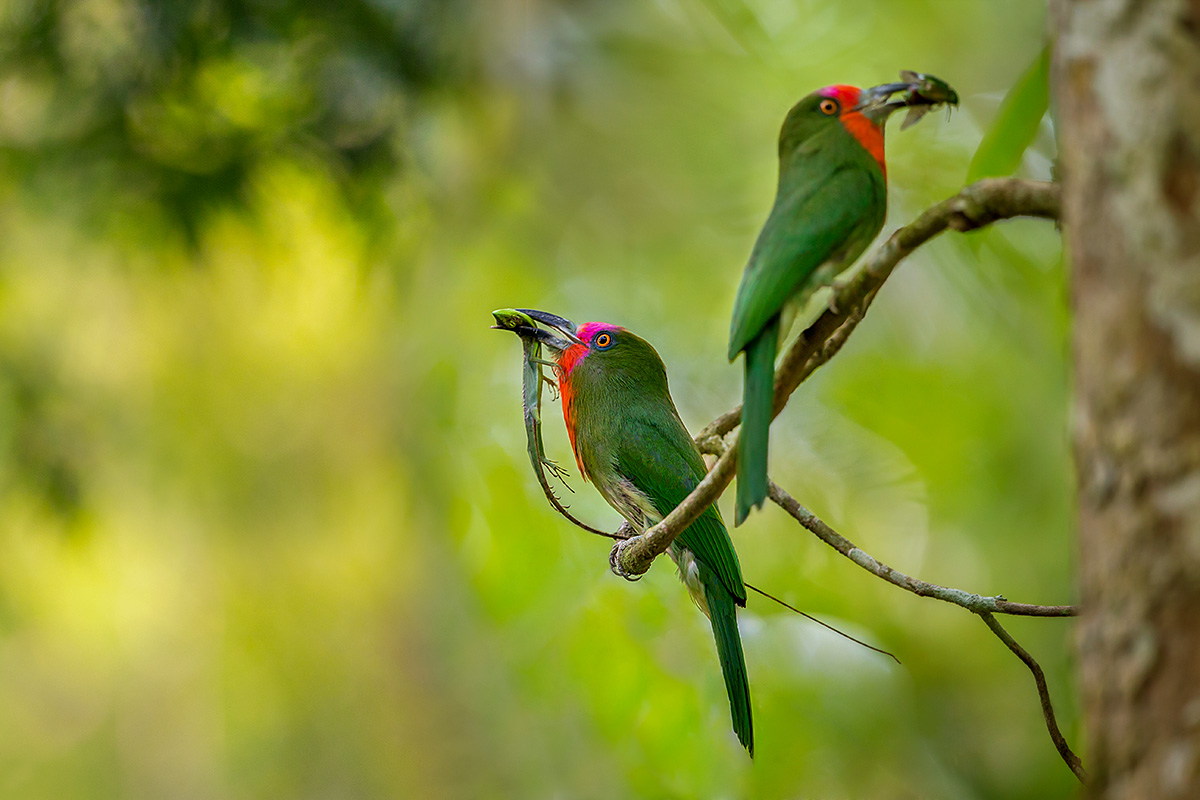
x,y
632,446
830,203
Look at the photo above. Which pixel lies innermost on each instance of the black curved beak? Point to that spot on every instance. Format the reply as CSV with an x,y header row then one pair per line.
x,y
523,322
560,324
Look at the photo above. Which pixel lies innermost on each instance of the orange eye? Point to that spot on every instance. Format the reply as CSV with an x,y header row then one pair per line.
x,y
828,106
603,341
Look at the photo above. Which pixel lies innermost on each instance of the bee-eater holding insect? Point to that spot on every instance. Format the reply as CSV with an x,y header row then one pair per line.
x,y
829,205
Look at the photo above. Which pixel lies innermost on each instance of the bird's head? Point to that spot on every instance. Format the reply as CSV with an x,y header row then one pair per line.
x,y
613,352
862,113
593,350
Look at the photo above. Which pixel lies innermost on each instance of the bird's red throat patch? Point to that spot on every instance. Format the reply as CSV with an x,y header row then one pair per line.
x,y
568,360
865,132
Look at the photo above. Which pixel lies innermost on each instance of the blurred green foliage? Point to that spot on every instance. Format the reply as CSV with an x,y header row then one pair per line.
x,y
269,529
1017,123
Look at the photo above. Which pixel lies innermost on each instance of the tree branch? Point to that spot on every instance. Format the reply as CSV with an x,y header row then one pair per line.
x,y
977,205
1039,677
972,602
983,606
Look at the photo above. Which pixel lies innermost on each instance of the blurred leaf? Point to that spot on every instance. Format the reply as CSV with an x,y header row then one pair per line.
x,y
739,20
1016,124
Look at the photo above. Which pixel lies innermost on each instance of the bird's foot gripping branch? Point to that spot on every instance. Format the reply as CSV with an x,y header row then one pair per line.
x,y
624,535
614,561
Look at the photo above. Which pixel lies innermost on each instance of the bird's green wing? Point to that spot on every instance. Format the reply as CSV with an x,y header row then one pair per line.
x,y
829,220
659,458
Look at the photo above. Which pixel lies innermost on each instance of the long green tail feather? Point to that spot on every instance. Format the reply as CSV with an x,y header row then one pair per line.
x,y
723,614
757,402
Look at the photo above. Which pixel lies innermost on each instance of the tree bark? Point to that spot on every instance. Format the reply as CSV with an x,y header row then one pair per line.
x,y
1126,79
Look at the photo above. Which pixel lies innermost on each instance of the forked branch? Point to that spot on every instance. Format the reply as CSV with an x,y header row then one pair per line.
x,y
985,607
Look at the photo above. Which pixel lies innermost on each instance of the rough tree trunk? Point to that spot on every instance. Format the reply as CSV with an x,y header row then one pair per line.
x,y
1127,85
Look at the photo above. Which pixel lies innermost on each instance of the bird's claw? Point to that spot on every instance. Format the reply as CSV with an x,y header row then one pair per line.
x,y
614,562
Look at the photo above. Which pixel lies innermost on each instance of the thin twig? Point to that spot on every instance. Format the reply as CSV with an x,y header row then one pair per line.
x,y
979,604
975,603
983,606
1039,677
825,625
977,205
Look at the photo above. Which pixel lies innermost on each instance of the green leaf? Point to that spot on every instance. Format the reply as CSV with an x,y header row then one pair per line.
x,y
1016,124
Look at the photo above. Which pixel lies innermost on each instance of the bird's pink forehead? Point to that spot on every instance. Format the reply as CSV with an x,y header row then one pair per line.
x,y
589,329
844,94
575,354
